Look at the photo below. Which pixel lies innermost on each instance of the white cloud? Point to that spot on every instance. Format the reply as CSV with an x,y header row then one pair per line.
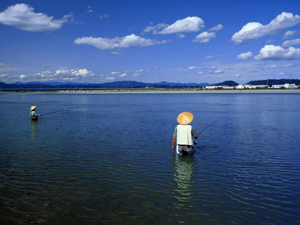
x,y
269,41
254,30
189,24
273,66
22,76
3,75
62,71
81,72
289,33
191,67
204,37
110,78
23,17
104,16
200,73
118,42
216,28
116,53
280,74
123,75
246,55
180,35
114,73
288,65
278,53
238,75
208,57
219,71
291,42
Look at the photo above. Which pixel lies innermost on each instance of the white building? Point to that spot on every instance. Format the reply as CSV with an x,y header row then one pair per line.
x,y
241,86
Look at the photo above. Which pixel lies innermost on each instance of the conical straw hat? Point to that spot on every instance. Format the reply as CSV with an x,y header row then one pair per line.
x,y
185,118
32,108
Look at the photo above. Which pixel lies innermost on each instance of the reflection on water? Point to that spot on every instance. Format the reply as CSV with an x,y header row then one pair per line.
x,y
184,177
33,129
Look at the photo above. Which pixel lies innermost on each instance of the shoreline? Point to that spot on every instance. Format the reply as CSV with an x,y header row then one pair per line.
x,y
244,91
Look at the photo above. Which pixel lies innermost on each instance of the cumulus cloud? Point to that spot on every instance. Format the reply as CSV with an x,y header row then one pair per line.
x,y
216,28
289,33
118,42
81,72
204,37
246,55
22,76
191,67
278,53
23,17
189,24
66,74
291,42
123,75
254,30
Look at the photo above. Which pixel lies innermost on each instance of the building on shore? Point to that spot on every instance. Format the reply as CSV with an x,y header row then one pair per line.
x,y
247,86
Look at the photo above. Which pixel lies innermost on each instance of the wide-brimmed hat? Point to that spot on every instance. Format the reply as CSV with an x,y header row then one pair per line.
x,y
185,118
32,108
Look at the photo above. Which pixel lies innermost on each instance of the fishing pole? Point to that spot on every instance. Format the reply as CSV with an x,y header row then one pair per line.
x,y
207,127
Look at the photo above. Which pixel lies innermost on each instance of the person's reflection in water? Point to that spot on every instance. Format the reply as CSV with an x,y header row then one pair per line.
x,y
183,175
33,129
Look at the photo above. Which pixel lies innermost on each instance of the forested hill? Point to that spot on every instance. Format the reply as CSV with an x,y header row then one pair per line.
x,y
271,82
135,84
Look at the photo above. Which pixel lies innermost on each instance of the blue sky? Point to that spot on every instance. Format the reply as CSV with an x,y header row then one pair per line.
x,y
149,40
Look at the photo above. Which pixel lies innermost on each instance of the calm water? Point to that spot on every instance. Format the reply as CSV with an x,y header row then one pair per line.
x,y
103,159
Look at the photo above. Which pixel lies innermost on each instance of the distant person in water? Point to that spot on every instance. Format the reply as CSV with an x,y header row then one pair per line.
x,y
33,114
184,134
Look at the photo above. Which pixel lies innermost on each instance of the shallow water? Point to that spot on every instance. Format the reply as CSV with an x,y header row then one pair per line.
x,y
102,159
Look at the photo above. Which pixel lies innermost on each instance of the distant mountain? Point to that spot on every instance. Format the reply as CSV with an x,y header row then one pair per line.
x,y
271,82
116,84
183,84
135,84
228,83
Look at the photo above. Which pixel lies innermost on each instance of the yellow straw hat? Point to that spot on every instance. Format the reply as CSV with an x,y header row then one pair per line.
x,y
32,108
185,118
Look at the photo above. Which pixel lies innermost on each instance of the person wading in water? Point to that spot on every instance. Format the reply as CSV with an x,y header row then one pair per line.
x,y
33,114
184,134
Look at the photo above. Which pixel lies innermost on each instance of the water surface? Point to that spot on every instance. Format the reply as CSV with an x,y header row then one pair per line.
x,y
103,159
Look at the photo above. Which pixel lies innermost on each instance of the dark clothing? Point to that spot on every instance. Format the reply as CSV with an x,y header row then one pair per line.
x,y
189,149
